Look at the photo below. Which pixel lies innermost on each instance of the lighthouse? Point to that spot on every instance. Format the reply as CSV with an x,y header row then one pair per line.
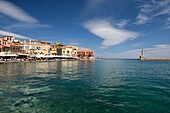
x,y
142,55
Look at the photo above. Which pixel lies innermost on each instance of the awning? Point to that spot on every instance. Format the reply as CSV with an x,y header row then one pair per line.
x,y
22,54
8,55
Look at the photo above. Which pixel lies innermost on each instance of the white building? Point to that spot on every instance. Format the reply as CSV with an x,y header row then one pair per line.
x,y
70,51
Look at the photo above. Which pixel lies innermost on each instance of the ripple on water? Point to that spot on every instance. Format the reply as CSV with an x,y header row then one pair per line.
x,y
27,90
31,91
112,86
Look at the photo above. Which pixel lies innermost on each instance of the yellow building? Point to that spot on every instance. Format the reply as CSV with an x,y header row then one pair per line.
x,y
36,47
55,48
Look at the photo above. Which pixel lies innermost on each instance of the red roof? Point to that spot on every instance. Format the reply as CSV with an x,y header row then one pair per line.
x,y
64,47
6,45
16,45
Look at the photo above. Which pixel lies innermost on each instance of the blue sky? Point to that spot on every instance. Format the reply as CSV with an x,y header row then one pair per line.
x,y
112,28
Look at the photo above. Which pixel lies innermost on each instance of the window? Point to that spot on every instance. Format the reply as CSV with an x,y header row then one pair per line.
x,y
38,48
26,47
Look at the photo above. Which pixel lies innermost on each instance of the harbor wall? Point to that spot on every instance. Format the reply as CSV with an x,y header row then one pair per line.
x,y
154,59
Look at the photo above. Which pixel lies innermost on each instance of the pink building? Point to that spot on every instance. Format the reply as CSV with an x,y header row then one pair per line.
x,y
85,53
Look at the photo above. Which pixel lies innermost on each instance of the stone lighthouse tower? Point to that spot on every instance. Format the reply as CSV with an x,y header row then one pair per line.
x,y
142,55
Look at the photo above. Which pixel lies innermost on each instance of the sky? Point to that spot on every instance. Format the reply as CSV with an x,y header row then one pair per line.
x,y
112,28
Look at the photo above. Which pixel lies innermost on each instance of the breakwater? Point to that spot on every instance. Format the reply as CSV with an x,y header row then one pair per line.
x,y
154,58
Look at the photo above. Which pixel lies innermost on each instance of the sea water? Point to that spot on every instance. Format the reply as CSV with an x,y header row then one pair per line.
x,y
101,86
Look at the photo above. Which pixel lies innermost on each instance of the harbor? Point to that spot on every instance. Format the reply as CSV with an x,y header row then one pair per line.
x,y
84,56
143,58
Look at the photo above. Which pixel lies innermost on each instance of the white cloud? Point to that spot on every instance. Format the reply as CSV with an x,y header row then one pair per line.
x,y
168,19
137,44
83,48
14,27
74,43
142,19
122,23
94,4
167,26
157,51
3,33
94,7
151,9
111,35
13,11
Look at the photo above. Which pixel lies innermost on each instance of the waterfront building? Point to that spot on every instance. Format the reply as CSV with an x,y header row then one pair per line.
x,y
16,49
10,44
1,44
85,54
56,48
36,47
70,51
53,49
5,43
9,39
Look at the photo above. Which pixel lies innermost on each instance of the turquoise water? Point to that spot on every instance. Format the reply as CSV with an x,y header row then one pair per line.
x,y
103,86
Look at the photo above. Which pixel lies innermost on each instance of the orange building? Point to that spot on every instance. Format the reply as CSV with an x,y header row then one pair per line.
x,y
9,44
1,44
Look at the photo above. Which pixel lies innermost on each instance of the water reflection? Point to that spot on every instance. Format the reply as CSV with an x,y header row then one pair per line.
x,y
20,83
12,73
63,69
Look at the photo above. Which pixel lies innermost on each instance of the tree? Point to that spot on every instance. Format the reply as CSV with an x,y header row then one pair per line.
x,y
89,55
58,48
82,55
59,51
